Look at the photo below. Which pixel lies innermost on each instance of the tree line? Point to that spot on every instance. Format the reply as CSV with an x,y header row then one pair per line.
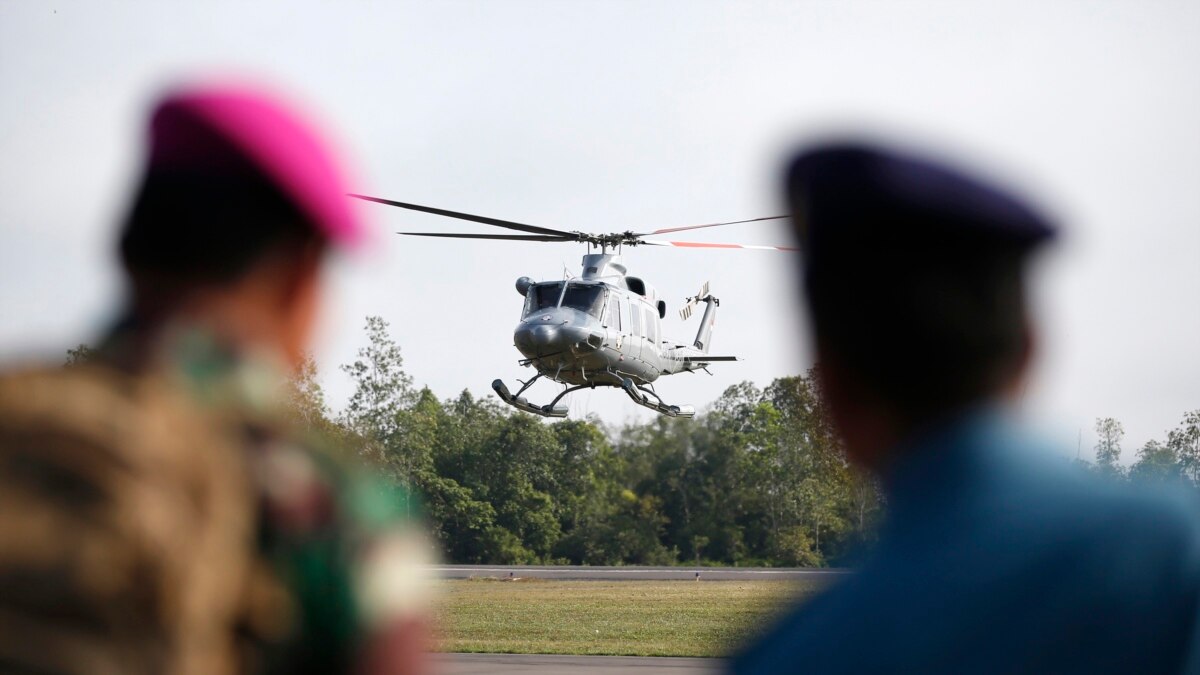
x,y
1174,460
759,479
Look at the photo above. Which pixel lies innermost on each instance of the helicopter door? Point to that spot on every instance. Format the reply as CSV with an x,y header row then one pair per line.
x,y
650,350
641,330
612,320
635,331
629,329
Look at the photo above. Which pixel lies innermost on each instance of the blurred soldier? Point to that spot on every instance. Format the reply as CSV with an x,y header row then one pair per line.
x,y
994,558
155,514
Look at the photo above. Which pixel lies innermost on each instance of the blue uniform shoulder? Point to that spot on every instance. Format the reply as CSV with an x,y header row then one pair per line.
x,y
1000,558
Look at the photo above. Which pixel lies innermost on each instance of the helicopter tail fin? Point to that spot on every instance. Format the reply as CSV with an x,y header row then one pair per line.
x,y
704,335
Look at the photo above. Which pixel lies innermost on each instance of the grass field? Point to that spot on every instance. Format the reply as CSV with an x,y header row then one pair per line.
x,y
640,618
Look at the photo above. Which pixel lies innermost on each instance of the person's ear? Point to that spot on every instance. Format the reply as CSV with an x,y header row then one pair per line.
x,y
299,300
303,271
1029,346
835,389
1016,382
867,426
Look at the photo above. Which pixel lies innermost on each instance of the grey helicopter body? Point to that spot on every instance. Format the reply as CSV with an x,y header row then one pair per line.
x,y
602,328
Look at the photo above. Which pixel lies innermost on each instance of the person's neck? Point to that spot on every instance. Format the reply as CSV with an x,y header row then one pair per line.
x,y
142,338
903,439
217,367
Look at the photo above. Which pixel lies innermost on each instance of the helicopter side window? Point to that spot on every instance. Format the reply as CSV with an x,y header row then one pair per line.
x,y
636,324
612,316
585,298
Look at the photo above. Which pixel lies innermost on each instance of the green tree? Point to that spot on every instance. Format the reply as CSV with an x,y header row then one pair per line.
x,y
304,399
389,419
831,508
1184,442
513,472
759,479
1108,447
381,387
304,406
1175,461
1157,463
463,523
80,355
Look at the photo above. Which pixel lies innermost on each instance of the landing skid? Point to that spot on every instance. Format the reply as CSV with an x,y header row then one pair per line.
x,y
641,395
644,396
551,409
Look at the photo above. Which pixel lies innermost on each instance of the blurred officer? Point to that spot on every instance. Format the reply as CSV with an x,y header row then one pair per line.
x,y
995,557
155,514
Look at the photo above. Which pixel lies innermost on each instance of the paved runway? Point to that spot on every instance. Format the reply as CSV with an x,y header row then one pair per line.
x,y
635,573
545,664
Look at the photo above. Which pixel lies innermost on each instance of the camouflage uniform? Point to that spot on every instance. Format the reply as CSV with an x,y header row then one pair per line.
x,y
143,533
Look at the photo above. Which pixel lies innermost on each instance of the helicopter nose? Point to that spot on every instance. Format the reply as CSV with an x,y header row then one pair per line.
x,y
538,339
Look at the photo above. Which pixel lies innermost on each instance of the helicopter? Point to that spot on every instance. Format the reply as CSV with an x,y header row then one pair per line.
x,y
601,328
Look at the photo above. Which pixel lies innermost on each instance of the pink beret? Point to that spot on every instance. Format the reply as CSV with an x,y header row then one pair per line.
x,y
218,127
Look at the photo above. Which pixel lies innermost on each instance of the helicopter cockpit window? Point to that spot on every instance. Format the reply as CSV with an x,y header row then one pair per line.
x,y
544,295
584,297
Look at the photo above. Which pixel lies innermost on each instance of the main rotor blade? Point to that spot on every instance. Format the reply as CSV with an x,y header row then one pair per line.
x,y
520,227
701,244
507,237
665,230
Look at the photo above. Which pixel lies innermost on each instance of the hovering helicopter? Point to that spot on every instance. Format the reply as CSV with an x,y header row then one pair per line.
x,y
601,329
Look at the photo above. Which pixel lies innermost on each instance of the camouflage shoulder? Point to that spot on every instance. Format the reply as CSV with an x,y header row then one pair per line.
x,y
26,387
106,472
102,400
364,497
349,543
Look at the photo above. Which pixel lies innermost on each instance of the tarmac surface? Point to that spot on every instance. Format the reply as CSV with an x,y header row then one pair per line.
x,y
578,572
546,664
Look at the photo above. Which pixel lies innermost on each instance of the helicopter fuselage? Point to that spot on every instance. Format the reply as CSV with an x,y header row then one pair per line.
x,y
576,346
603,328
600,329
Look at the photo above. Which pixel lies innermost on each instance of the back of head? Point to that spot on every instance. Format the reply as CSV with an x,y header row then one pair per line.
x,y
914,275
233,173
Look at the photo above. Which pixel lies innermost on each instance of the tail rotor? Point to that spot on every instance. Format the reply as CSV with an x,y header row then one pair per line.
x,y
690,306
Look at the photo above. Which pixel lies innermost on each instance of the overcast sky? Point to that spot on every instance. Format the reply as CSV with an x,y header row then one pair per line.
x,y
627,115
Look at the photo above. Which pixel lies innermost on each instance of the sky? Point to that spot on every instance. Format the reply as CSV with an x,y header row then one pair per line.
x,y
630,115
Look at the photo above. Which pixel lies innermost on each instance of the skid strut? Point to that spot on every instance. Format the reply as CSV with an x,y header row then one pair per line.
x,y
551,409
645,396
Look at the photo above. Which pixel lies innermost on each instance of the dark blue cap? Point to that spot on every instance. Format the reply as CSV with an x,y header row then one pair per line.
x,y
852,197
913,271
